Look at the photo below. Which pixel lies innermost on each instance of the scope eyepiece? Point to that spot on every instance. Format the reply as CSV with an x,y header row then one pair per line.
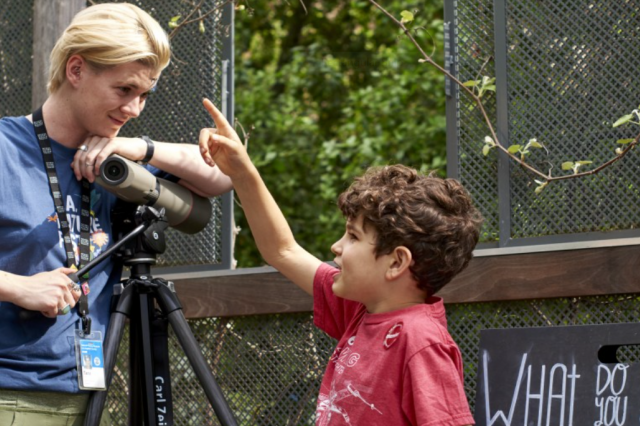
x,y
115,172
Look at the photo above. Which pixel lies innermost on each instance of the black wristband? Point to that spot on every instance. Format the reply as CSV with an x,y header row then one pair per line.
x,y
150,147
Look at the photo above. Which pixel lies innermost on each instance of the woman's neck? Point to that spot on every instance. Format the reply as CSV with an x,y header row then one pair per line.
x,y
60,122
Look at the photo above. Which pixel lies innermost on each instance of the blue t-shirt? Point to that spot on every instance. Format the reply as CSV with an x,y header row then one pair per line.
x,y
38,353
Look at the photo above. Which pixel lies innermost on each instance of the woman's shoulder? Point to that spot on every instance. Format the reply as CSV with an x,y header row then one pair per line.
x,y
14,124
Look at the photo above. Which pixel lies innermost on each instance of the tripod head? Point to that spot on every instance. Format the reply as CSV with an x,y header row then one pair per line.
x,y
148,225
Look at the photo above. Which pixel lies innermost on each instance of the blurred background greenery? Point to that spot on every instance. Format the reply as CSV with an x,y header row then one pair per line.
x,y
329,89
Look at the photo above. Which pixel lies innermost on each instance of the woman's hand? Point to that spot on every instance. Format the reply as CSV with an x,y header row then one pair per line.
x,y
95,149
47,292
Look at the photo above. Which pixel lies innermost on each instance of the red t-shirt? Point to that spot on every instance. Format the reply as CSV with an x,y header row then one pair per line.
x,y
395,368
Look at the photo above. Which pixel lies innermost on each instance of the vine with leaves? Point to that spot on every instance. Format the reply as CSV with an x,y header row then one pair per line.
x,y
476,89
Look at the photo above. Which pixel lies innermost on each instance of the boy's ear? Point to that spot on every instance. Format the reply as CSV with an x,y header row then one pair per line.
x,y
401,260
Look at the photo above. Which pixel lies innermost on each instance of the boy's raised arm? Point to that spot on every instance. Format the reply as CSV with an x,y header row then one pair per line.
x,y
222,147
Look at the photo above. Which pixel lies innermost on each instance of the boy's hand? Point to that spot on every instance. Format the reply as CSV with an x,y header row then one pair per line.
x,y
222,146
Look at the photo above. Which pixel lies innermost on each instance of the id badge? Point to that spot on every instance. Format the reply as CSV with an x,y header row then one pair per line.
x,y
90,360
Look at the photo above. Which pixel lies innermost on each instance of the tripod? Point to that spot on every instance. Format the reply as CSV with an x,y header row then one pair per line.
x,y
145,300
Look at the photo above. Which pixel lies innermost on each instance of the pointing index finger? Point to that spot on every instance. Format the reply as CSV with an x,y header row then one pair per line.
x,y
218,117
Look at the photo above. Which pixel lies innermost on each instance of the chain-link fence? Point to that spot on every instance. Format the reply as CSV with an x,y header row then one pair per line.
x,y
565,73
270,366
16,53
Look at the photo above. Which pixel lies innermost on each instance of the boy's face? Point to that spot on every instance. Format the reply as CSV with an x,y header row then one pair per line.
x,y
361,276
107,99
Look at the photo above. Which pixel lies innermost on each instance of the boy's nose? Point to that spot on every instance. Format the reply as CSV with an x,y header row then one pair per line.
x,y
336,248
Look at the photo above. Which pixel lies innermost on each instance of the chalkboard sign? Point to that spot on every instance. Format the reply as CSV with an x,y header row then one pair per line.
x,y
558,376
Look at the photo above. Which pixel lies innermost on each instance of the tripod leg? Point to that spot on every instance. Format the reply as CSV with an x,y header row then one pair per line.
x,y
146,304
136,410
201,368
111,345
169,302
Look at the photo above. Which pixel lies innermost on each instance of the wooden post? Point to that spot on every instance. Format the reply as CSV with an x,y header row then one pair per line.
x,y
50,18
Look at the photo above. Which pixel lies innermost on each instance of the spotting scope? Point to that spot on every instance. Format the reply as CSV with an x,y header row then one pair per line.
x,y
184,210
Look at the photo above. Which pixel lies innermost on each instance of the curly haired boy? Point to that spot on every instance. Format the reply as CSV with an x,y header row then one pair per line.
x,y
407,235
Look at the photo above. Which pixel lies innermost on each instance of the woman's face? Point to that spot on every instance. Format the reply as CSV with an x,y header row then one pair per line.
x,y
105,100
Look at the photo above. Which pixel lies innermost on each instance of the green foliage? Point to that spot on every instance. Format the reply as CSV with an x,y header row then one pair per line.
x,y
329,93
574,166
519,149
482,86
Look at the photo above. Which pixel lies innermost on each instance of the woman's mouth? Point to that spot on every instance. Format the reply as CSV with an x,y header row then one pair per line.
x,y
118,122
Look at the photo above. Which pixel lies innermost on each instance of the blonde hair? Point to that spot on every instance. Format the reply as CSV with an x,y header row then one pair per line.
x,y
110,34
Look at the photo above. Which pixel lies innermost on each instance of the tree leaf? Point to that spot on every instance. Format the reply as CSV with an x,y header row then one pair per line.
x,y
486,149
625,141
486,80
471,83
623,120
514,148
567,165
541,186
534,144
584,162
406,16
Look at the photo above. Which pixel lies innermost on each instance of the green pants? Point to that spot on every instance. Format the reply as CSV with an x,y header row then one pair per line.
x,y
19,408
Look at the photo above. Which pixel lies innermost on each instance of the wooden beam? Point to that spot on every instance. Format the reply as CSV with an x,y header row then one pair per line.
x,y
50,18
249,291
574,273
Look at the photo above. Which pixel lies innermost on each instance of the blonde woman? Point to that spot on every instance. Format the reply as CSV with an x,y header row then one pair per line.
x,y
53,218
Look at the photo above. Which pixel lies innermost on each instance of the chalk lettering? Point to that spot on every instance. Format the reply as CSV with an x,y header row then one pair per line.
x,y
534,396
612,407
555,393
514,399
561,396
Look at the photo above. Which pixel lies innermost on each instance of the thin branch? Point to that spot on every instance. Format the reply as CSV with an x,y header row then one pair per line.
x,y
484,64
196,9
478,101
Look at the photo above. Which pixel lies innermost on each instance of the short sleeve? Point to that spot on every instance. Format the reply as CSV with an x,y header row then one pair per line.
x,y
433,388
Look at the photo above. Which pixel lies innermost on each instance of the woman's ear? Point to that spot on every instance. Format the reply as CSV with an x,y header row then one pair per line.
x,y
75,67
401,260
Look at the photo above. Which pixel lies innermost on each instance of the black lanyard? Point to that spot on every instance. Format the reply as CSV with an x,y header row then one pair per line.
x,y
58,201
